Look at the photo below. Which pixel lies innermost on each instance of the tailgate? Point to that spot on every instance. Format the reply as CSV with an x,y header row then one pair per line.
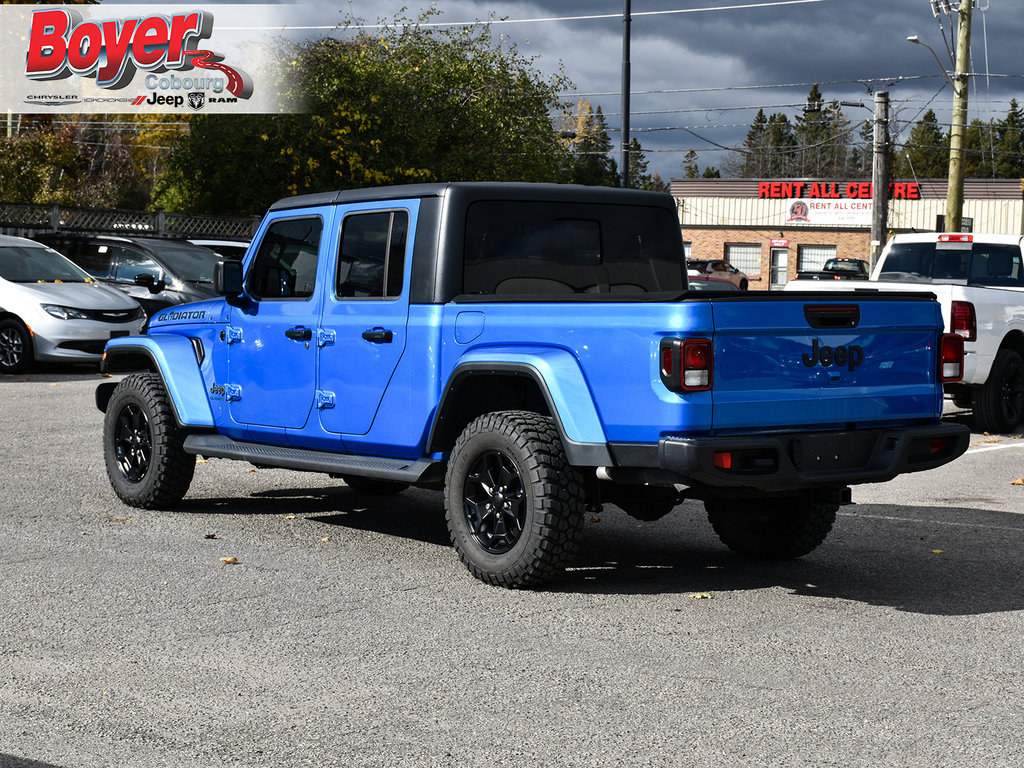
x,y
825,361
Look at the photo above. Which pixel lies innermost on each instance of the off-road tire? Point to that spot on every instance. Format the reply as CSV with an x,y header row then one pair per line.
x,y
513,503
999,402
142,445
779,528
370,486
16,352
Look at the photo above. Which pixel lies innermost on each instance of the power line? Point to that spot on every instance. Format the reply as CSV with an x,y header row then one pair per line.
x,y
546,19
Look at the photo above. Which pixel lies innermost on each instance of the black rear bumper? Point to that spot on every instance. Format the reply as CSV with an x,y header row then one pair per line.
x,y
808,460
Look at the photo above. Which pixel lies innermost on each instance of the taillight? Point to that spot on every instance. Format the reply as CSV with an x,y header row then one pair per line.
x,y
951,357
687,365
956,238
963,321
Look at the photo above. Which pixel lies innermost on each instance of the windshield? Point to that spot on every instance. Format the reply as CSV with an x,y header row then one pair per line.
x,y
185,261
993,264
38,264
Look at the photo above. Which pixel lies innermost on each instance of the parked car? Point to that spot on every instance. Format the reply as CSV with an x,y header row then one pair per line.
x,y
698,281
838,269
156,273
719,268
53,311
229,249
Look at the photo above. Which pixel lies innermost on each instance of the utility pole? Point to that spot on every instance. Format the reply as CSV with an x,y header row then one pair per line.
x,y
624,162
955,194
880,176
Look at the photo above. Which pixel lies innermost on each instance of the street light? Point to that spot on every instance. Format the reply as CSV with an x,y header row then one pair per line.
x,y
918,41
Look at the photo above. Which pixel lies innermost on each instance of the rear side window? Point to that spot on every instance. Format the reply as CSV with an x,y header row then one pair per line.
x,y
997,265
371,257
285,265
534,248
993,264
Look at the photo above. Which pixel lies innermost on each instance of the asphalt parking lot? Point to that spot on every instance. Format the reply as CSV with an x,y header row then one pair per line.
x,y
348,634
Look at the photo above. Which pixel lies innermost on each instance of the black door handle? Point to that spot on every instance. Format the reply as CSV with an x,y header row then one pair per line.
x,y
299,334
379,336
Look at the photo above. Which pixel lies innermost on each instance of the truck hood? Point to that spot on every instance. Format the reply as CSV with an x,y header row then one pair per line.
x,y
197,313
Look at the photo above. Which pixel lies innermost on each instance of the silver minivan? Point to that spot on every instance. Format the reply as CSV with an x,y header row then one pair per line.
x,y
53,311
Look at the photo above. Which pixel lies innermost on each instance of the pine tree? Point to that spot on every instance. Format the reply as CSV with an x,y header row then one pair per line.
x,y
926,152
1009,159
822,134
592,164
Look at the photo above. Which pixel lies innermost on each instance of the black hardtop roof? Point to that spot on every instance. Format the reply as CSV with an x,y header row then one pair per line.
x,y
481,190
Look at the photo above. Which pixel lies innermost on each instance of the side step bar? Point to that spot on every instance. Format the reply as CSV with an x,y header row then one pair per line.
x,y
422,471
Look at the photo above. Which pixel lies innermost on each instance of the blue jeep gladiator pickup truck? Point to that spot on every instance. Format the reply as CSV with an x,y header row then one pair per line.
x,y
533,351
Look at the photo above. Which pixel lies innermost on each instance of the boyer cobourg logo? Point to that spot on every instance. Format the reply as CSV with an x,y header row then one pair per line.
x,y
62,44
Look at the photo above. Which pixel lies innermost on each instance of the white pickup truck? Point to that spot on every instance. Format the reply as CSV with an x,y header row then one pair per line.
x,y
979,281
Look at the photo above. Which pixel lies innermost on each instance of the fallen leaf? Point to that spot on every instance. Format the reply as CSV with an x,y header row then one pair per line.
x,y
288,517
251,470
229,560
105,375
701,596
202,461
326,539
595,519
938,551
1018,481
210,536
55,384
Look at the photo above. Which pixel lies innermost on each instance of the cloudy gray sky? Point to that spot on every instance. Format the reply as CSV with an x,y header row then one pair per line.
x,y
700,72
702,68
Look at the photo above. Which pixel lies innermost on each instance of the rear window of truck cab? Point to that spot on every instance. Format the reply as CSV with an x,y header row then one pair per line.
x,y
975,263
520,248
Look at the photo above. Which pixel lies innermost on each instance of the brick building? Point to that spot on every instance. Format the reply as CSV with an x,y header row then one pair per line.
x,y
771,229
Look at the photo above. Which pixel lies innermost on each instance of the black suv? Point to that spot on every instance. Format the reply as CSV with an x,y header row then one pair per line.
x,y
155,272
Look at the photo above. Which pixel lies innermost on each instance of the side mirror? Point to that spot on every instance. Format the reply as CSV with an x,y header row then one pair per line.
x,y
147,280
227,280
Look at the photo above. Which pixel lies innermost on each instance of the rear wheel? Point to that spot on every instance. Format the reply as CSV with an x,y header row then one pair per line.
x,y
778,528
513,504
999,402
15,347
142,445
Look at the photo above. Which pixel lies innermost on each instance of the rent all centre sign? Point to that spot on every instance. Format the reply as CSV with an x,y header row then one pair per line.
x,y
831,202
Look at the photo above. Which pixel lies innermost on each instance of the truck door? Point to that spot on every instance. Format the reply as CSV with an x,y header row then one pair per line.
x,y
272,340
364,316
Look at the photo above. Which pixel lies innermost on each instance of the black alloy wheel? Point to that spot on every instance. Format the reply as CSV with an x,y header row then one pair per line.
x,y
133,442
513,503
494,503
143,445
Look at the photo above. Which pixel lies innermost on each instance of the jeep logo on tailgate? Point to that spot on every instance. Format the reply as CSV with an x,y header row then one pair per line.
x,y
840,356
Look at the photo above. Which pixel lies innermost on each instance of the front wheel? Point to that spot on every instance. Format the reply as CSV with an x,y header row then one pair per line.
x,y
780,528
999,402
142,445
513,504
15,347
